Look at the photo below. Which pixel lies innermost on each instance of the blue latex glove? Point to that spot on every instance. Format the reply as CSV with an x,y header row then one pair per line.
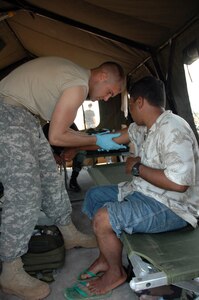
x,y
104,141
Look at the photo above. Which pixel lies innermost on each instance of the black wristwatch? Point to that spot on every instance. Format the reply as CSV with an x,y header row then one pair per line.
x,y
135,169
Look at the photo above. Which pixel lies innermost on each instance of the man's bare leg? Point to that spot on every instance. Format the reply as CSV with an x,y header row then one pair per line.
x,y
111,248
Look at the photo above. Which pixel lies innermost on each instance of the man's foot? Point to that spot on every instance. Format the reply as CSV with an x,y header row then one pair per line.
x,y
86,275
96,269
74,186
111,279
79,290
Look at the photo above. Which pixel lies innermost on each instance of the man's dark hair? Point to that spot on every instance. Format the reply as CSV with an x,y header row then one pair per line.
x,y
150,88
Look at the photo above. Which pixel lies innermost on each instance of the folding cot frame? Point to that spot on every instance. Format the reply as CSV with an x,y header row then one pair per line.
x,y
157,259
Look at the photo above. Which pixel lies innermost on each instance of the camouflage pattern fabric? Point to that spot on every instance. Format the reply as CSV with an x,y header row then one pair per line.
x,y
30,178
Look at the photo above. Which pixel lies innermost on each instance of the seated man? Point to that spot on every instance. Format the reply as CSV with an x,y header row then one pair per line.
x,y
77,160
164,192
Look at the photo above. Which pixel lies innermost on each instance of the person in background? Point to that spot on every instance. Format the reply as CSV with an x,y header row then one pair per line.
x,y
90,117
164,192
77,165
78,159
52,89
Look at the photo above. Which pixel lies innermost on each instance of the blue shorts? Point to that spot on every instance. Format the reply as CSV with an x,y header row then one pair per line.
x,y
136,213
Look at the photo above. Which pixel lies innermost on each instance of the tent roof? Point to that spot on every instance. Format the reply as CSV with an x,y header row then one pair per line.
x,y
90,32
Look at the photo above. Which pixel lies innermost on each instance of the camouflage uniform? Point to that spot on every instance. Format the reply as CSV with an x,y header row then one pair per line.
x,y
30,179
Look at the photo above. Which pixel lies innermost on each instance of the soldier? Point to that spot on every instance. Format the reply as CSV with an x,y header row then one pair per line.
x,y
52,88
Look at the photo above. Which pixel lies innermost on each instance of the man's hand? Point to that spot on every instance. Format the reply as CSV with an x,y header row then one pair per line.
x,y
130,162
104,141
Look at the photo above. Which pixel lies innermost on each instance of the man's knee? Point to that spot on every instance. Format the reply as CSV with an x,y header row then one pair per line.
x,y
101,221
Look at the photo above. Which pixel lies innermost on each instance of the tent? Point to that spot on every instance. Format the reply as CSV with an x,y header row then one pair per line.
x,y
145,37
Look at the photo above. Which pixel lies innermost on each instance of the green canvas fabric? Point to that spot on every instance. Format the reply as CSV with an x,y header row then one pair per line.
x,y
46,253
49,260
109,174
175,253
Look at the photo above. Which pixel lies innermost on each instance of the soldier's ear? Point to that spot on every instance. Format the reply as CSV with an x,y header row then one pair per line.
x,y
103,76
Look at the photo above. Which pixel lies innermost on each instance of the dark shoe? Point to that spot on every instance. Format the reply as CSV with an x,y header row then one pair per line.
x,y
74,186
167,292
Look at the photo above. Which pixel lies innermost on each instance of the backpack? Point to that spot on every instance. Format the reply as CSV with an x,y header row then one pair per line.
x,y
46,253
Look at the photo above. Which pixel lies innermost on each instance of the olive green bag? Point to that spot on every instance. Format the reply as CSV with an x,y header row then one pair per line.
x,y
46,253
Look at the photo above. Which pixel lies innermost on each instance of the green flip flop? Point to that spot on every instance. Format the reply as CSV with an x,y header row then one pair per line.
x,y
90,274
79,291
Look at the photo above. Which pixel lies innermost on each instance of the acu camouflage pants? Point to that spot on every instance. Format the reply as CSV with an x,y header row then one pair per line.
x,y
30,178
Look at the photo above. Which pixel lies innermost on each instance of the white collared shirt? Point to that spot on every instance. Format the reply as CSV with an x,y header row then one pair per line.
x,y
170,145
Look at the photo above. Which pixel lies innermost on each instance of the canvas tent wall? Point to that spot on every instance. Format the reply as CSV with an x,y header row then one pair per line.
x,y
145,37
